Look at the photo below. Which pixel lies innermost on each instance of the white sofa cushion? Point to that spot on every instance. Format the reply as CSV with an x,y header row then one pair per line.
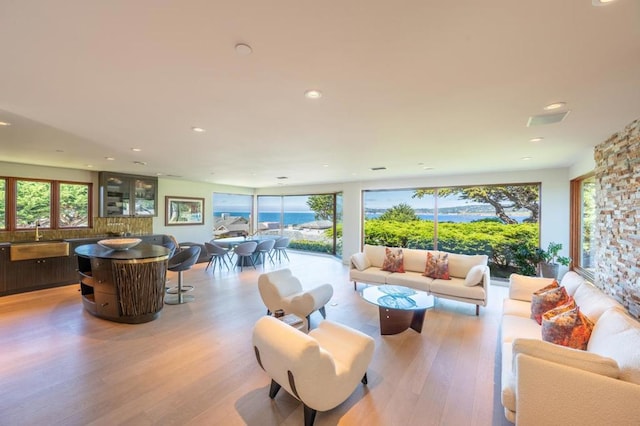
x,y
521,287
410,279
459,264
514,327
616,335
592,301
474,276
415,260
571,281
455,287
567,356
360,261
516,307
375,254
369,275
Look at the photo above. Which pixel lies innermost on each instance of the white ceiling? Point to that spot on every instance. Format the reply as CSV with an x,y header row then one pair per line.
x,y
406,85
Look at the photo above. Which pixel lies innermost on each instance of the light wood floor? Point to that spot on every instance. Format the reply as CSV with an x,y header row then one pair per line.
x,y
195,365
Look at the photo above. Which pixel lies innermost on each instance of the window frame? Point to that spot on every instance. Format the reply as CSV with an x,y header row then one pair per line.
x,y
575,226
11,203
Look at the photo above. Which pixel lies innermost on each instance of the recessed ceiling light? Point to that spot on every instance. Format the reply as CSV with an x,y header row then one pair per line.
x,y
537,139
198,129
140,163
555,105
313,94
109,158
159,174
4,123
89,165
243,49
526,158
427,168
325,165
136,149
601,2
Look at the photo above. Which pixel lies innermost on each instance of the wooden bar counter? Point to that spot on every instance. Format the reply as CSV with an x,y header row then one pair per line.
x,y
123,285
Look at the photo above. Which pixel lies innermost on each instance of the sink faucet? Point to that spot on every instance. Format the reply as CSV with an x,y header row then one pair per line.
x,y
37,228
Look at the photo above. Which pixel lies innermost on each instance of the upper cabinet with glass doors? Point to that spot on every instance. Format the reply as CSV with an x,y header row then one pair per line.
x,y
128,195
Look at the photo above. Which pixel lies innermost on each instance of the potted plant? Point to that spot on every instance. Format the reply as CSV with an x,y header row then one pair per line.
x,y
551,261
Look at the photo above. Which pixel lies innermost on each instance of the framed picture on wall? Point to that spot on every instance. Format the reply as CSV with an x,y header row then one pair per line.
x,y
183,211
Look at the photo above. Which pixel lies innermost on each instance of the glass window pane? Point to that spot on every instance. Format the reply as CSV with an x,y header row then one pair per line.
x,y
269,215
3,203
587,226
399,218
73,205
339,213
231,215
33,204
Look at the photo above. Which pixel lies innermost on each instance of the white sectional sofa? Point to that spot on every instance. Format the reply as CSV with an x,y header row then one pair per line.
x,y
548,384
469,281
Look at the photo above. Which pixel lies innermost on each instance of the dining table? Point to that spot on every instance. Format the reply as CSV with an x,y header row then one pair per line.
x,y
231,242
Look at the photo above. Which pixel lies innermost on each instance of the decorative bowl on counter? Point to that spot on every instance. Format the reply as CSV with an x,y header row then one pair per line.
x,y
120,243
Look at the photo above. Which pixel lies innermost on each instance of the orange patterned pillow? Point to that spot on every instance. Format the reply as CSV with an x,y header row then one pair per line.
x,y
437,266
569,328
547,298
393,260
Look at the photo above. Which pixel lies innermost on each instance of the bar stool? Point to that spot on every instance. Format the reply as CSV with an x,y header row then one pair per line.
x,y
179,263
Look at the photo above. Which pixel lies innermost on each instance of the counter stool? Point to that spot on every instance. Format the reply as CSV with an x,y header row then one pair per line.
x,y
179,263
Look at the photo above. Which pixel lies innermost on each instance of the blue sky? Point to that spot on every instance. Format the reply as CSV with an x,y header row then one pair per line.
x,y
372,199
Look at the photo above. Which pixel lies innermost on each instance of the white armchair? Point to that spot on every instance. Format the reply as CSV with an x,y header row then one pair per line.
x,y
281,290
321,369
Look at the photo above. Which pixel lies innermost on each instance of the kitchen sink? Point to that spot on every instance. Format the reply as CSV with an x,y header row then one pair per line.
x,y
39,249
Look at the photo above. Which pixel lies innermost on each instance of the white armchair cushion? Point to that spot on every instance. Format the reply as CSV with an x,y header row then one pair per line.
x,y
302,304
360,261
566,356
281,290
327,364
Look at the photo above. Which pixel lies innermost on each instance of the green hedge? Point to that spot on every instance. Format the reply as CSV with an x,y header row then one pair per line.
x,y
480,237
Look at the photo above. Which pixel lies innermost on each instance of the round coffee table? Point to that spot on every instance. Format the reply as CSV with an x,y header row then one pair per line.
x,y
399,307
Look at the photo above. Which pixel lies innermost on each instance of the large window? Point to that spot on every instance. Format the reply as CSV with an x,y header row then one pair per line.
x,y
310,221
496,220
47,203
232,215
583,221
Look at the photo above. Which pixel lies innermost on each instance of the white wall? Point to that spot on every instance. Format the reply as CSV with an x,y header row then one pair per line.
x,y
181,188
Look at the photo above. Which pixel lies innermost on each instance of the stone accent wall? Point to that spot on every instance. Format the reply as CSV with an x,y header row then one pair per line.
x,y
618,217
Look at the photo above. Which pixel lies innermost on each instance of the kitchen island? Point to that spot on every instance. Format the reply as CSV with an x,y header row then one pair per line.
x,y
123,285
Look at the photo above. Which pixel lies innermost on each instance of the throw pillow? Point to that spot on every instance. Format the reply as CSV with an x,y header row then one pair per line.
x,y
437,266
474,276
547,298
393,260
360,261
570,328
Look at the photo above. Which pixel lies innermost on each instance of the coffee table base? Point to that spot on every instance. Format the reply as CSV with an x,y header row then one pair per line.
x,y
394,321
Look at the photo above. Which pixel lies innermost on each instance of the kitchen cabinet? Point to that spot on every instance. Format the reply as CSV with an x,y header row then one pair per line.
x,y
33,274
124,195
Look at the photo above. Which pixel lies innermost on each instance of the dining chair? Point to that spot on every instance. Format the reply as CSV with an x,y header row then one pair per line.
x,y
245,254
264,248
279,248
218,256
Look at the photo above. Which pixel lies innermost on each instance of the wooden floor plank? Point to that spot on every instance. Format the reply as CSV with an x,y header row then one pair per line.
x,y
194,365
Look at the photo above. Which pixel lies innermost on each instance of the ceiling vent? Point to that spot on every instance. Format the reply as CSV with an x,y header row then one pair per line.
x,y
377,168
539,120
